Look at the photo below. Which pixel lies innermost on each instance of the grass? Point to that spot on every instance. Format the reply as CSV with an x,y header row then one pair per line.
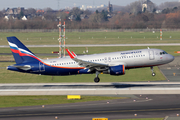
x,y
47,38
17,101
96,50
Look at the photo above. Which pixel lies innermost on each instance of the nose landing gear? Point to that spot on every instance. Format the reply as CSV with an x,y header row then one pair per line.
x,y
153,74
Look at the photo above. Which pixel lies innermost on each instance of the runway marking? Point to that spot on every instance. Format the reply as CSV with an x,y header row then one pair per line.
x,y
70,113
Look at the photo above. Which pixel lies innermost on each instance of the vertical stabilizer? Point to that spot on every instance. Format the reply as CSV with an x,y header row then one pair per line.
x,y
20,52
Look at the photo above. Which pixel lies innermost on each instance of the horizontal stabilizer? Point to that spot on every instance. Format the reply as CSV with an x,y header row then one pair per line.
x,y
24,67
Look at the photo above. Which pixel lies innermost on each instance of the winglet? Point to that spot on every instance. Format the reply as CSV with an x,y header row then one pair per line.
x,y
70,54
74,54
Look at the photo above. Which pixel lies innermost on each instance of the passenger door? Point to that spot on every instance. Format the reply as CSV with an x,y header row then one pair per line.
x,y
151,55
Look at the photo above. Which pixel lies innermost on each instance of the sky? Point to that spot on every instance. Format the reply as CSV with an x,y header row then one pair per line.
x,y
41,4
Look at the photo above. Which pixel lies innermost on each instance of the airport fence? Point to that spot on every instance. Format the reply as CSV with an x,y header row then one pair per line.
x,y
88,30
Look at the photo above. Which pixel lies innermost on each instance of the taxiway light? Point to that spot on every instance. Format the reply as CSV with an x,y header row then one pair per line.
x,y
135,115
56,117
43,106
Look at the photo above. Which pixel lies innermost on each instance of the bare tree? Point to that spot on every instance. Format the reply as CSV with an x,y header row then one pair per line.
x,y
169,5
62,15
134,7
31,11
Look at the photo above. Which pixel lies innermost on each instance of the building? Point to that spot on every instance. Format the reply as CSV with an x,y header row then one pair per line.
x,y
14,11
110,7
148,6
83,7
24,18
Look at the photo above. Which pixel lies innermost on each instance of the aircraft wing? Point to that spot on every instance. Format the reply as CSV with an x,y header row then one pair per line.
x,y
87,64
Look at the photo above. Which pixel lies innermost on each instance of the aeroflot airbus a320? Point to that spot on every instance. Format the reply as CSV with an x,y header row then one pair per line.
x,y
113,63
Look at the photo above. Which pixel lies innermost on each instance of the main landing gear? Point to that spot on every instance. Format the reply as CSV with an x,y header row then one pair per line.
x,y
153,74
97,79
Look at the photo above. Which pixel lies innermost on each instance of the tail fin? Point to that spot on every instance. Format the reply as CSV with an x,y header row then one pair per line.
x,y
20,52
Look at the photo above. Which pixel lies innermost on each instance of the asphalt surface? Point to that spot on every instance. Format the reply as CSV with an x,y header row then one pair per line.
x,y
146,106
172,70
124,88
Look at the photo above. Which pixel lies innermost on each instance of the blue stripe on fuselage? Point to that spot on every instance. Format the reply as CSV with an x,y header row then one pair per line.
x,y
49,70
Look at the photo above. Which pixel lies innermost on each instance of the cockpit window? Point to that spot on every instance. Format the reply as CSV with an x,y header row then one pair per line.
x,y
162,53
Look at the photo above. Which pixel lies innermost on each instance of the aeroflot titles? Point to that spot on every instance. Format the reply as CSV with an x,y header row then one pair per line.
x,y
131,52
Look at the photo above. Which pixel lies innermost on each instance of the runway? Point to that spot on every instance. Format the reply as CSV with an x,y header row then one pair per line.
x,y
91,88
145,106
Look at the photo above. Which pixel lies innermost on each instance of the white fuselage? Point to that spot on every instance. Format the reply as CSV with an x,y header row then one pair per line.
x,y
131,59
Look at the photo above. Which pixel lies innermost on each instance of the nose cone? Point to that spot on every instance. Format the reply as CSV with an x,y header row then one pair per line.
x,y
170,58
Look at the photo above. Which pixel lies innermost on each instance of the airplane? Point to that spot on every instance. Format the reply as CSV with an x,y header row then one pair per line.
x,y
114,63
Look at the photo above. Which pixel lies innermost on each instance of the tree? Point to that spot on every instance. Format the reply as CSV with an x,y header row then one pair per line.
x,y
21,15
48,9
104,14
76,12
31,11
169,5
97,11
78,18
87,12
144,10
62,15
96,18
50,16
1,15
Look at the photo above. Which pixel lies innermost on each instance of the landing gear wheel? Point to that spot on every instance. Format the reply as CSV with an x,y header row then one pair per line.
x,y
153,74
96,79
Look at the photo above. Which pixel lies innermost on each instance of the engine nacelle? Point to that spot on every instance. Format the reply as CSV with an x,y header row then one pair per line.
x,y
84,71
117,70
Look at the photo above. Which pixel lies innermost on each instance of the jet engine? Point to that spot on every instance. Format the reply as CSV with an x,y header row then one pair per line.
x,y
117,70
